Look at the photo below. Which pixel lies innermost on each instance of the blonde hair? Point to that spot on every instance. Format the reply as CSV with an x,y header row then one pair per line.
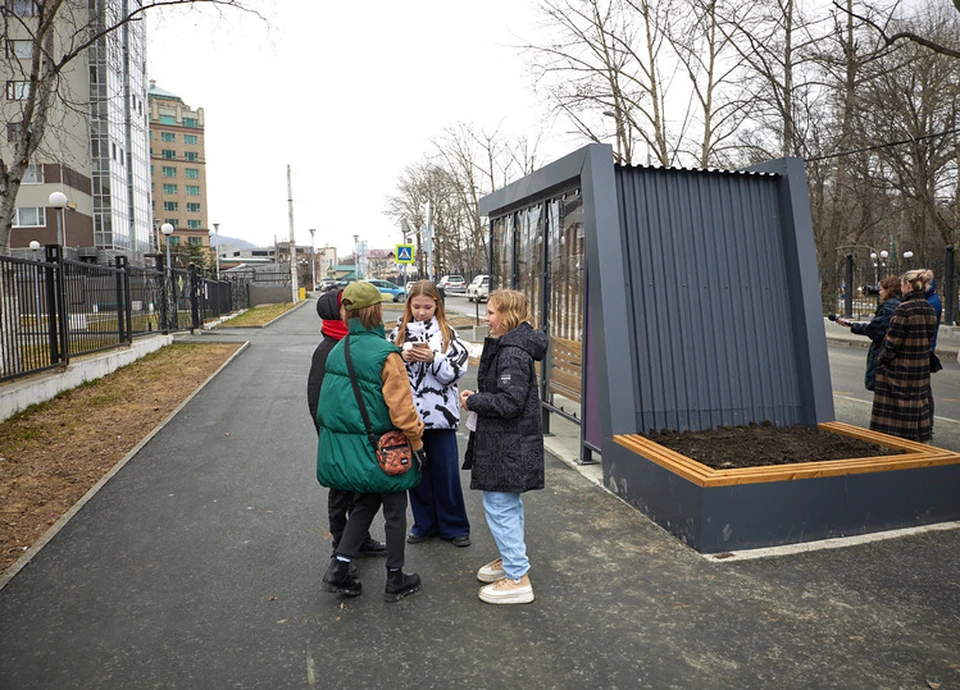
x,y
425,288
915,278
370,317
512,306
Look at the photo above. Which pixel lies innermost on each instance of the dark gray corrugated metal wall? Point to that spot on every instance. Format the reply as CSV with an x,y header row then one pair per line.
x,y
709,298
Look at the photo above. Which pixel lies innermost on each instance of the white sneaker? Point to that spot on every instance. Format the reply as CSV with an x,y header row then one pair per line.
x,y
492,571
507,591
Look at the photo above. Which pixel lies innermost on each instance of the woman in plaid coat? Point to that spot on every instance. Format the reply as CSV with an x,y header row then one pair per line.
x,y
901,401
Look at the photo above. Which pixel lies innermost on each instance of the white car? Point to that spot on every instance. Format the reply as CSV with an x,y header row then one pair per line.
x,y
452,283
479,289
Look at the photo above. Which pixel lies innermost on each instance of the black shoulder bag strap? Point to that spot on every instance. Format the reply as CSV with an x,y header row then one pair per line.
x,y
356,392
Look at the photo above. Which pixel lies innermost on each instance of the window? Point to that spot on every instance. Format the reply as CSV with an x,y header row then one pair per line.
x,y
190,138
171,206
14,129
20,49
33,174
21,8
192,173
189,122
193,190
30,217
191,156
174,241
17,90
193,207
194,225
168,120
168,136
168,171
169,189
169,154
174,222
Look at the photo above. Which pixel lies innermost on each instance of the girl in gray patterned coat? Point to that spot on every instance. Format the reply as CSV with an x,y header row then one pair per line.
x,y
435,359
505,450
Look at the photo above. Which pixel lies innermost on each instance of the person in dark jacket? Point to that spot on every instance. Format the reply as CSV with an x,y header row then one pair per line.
x,y
930,294
339,502
901,399
876,329
505,449
365,388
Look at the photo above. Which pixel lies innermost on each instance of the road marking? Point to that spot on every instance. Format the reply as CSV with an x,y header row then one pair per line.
x,y
837,543
870,402
311,669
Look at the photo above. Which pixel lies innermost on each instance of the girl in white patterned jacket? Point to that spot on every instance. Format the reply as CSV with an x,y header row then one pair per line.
x,y
435,359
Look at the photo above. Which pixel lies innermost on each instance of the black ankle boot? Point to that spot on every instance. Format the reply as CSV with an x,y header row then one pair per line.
x,y
400,585
339,580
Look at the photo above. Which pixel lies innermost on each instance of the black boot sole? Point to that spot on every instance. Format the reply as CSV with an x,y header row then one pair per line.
x,y
392,597
345,590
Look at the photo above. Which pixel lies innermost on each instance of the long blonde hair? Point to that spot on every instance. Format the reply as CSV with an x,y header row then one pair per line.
x,y
425,288
512,306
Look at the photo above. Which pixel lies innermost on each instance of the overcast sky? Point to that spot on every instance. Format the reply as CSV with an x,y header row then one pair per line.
x,y
348,95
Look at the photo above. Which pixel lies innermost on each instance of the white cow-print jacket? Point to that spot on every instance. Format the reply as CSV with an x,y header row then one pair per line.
x,y
434,383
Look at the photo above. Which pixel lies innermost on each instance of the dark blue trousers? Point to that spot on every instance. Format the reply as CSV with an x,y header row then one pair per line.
x,y
437,502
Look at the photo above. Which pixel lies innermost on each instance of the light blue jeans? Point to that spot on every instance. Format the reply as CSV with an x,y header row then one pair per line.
x,y
504,513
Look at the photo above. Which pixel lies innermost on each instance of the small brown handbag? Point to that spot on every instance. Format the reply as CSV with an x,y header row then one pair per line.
x,y
393,451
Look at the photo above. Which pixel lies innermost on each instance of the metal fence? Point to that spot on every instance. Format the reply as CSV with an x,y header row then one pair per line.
x,y
54,309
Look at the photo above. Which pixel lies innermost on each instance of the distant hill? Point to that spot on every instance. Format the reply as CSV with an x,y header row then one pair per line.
x,y
233,242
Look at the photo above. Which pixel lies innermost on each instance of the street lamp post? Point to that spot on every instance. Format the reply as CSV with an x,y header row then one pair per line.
x,y
356,257
59,201
313,257
167,230
216,231
35,246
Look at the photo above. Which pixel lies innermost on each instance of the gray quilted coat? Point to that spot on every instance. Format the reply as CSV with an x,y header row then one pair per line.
x,y
505,453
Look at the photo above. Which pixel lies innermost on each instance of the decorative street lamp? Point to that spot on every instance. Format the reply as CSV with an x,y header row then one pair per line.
x,y
313,257
216,231
59,201
167,230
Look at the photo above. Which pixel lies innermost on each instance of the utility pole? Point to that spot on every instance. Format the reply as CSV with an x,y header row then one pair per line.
x,y
429,242
293,241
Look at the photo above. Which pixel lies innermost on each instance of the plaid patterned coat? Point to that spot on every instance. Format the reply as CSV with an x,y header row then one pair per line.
x,y
901,400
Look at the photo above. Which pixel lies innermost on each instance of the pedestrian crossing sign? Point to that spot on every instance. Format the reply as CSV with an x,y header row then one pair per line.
x,y
404,253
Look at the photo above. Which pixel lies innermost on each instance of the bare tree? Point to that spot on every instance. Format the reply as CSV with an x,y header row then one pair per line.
x,y
890,36
53,35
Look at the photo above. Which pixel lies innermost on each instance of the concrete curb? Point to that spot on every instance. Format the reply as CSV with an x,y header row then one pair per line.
x,y
29,554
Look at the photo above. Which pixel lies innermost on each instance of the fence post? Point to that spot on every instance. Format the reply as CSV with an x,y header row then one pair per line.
x,y
121,265
848,293
194,298
162,273
948,290
57,296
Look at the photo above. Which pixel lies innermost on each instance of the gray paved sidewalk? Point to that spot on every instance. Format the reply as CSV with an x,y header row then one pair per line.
x,y
197,566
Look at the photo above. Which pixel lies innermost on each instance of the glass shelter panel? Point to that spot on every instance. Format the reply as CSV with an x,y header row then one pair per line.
x,y
565,262
530,259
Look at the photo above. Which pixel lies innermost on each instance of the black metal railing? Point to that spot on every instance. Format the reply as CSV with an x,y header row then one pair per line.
x,y
53,309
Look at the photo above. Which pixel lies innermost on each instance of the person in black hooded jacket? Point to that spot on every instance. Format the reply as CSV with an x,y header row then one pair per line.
x,y
505,449
333,330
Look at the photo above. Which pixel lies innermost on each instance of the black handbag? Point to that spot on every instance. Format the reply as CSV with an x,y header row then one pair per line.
x,y
393,451
935,364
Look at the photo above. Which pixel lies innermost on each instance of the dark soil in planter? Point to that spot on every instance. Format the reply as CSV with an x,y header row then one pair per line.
x,y
764,444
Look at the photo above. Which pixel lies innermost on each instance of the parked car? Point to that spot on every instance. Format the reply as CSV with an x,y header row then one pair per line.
x,y
387,288
409,285
453,283
479,289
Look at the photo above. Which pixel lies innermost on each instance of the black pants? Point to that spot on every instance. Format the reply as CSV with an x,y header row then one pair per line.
x,y
394,525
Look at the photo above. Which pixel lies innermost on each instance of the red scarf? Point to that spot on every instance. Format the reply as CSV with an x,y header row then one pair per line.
x,y
334,329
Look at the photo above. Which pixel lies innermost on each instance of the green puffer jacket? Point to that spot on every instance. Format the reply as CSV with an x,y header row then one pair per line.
x,y
345,457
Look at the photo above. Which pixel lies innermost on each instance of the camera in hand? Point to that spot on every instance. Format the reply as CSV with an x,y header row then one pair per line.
x,y
832,317
871,289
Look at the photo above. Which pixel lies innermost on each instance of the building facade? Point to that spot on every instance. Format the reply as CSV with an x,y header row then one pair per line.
x,y
178,169
94,148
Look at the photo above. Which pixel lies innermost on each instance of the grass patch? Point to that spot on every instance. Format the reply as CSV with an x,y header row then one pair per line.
x,y
258,316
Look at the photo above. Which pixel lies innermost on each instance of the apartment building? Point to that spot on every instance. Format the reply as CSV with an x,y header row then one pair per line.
x,y
178,168
94,148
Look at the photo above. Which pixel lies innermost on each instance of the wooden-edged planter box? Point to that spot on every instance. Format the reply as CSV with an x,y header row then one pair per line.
x,y
723,510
